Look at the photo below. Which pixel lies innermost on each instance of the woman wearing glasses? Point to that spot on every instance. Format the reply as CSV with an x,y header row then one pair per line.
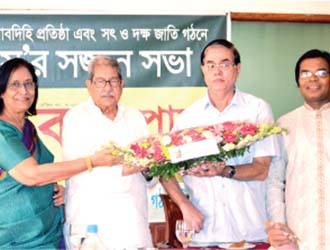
x,y
30,201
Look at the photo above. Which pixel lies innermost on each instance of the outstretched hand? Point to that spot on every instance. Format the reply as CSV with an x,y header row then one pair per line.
x,y
104,158
130,169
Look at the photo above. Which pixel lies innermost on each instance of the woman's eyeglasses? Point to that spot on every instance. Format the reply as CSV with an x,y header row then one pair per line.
x,y
28,85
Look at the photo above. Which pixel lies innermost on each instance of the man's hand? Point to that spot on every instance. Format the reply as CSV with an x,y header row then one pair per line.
x,y
192,216
281,236
130,169
207,169
59,195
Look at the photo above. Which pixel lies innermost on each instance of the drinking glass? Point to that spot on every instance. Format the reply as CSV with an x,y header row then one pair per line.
x,y
183,233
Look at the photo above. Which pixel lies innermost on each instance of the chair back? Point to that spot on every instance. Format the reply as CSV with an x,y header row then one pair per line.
x,y
172,214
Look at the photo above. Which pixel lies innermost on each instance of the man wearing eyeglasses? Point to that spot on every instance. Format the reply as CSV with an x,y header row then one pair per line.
x,y
115,199
227,200
298,187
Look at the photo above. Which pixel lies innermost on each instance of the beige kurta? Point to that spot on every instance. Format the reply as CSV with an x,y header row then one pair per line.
x,y
307,175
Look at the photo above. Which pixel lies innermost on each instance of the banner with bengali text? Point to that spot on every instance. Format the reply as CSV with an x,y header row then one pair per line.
x,y
159,56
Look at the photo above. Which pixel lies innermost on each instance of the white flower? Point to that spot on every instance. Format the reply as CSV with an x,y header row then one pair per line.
x,y
229,146
166,140
243,143
249,138
207,134
187,139
218,138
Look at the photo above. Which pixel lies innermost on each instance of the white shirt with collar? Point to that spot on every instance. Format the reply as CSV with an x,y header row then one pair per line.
x,y
116,203
234,210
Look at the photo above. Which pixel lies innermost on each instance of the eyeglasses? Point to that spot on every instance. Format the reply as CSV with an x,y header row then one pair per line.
x,y
28,85
223,66
113,82
319,73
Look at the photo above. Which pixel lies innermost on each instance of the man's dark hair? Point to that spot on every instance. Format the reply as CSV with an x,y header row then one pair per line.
x,y
314,53
225,43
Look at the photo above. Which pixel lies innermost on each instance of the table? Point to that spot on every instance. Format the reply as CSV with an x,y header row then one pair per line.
x,y
259,246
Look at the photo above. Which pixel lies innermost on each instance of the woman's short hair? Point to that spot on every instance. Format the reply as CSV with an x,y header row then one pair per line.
x,y
314,53
6,69
226,44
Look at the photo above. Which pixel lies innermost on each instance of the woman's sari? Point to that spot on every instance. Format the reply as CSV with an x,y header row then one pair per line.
x,y
30,137
29,140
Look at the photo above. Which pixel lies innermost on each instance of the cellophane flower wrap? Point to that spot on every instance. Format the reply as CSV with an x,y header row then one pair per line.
x,y
232,138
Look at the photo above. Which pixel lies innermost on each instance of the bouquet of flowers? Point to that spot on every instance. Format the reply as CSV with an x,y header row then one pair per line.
x,y
169,153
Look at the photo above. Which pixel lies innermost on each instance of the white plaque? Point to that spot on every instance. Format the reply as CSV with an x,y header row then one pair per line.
x,y
193,150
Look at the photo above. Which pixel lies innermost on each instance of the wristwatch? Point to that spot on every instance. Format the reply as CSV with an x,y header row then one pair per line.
x,y
232,171
146,175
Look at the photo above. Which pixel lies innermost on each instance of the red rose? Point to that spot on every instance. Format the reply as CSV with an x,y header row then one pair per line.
x,y
248,129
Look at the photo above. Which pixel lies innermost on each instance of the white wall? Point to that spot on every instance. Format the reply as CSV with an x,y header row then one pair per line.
x,y
165,6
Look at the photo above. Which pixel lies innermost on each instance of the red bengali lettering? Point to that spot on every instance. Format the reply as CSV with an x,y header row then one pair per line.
x,y
159,116
46,127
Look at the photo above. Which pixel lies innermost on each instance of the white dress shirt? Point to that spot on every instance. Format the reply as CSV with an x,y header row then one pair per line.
x,y
305,167
234,210
116,203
